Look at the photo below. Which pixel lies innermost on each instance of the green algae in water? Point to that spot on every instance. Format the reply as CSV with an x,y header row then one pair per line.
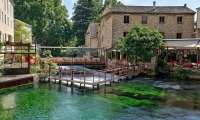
x,y
124,102
41,100
135,95
28,104
142,91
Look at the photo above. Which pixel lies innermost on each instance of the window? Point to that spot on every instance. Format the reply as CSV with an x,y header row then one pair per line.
x,y
126,19
125,34
179,20
179,35
144,19
162,20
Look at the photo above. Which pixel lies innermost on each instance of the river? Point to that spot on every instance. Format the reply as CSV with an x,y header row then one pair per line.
x,y
67,103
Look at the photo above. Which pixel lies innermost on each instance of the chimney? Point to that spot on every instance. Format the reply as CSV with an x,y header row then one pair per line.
x,y
185,5
154,3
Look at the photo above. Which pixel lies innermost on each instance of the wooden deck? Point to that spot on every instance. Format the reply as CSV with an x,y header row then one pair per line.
x,y
15,80
94,80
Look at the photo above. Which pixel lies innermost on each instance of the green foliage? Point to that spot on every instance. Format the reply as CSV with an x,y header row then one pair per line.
x,y
48,19
6,114
140,91
162,67
72,52
181,74
22,33
47,53
112,2
85,11
135,94
141,43
42,100
123,101
72,43
35,69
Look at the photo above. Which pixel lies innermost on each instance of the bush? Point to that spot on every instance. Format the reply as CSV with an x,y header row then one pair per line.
x,y
181,74
142,42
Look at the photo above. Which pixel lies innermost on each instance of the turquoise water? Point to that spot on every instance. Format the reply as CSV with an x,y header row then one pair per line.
x,y
54,103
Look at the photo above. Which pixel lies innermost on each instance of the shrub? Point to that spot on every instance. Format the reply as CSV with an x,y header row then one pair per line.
x,y
181,74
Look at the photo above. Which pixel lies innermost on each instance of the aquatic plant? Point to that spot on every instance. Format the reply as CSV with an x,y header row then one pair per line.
x,y
6,115
135,94
123,101
30,103
139,91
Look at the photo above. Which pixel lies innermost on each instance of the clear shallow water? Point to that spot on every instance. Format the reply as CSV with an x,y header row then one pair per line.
x,y
69,104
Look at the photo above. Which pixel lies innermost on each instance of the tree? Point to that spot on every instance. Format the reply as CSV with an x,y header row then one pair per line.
x,y
141,42
22,32
111,2
48,19
84,13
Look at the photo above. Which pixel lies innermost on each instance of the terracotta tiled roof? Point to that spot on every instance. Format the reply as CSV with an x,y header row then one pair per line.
x,y
150,9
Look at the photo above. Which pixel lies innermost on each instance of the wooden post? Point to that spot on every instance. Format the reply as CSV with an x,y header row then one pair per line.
x,y
197,57
49,73
93,82
29,64
72,77
60,77
84,71
105,78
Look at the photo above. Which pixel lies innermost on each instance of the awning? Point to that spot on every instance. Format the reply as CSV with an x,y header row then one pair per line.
x,y
183,43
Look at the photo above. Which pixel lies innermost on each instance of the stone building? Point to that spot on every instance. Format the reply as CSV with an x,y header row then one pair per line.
x,y
6,20
91,35
198,23
174,22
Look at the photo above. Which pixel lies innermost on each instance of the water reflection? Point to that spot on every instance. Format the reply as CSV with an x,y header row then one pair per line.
x,y
69,103
8,101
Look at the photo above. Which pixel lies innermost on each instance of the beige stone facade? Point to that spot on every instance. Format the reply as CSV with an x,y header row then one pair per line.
x,y
198,18
112,26
91,35
6,20
198,23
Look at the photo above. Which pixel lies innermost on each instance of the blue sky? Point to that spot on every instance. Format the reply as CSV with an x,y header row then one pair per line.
x,y
191,3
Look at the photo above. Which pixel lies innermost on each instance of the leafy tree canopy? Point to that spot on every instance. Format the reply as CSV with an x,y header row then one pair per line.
x,y
22,32
141,42
111,2
48,19
85,11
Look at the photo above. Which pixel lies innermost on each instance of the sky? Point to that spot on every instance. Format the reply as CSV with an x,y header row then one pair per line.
x,y
191,3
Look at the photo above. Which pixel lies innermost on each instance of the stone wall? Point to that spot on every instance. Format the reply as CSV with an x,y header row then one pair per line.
x,y
170,28
105,32
198,18
112,26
